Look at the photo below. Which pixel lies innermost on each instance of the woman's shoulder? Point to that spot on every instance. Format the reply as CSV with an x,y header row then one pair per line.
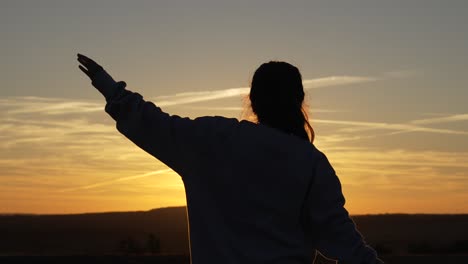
x,y
216,122
274,137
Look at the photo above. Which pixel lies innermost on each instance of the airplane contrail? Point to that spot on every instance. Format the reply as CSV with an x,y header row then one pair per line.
x,y
121,179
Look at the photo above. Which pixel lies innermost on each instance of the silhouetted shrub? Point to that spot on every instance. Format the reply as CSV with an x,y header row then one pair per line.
x,y
153,244
130,246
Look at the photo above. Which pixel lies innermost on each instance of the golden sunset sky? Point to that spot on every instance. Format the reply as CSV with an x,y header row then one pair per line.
x,y
386,84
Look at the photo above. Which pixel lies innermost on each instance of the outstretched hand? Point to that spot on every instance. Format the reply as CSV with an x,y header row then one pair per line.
x,y
99,77
91,68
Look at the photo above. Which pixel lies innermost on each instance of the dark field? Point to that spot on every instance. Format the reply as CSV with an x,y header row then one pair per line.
x,y
421,259
161,236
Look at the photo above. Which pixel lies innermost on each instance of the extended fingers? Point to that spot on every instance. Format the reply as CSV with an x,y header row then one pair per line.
x,y
90,66
83,62
87,62
83,58
84,70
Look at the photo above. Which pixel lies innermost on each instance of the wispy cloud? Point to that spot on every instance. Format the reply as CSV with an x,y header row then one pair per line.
x,y
335,138
63,106
214,108
400,74
399,128
239,109
202,96
388,126
444,119
48,106
121,179
401,168
336,81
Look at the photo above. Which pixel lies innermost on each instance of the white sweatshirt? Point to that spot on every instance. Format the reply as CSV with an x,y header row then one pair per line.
x,y
254,193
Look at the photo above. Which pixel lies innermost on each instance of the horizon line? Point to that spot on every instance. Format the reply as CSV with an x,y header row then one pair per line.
x,y
184,206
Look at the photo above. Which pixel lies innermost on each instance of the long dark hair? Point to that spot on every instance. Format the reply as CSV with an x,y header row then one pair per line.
x,y
277,98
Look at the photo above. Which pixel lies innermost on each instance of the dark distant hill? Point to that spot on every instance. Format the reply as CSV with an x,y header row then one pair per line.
x,y
415,233
164,231
94,233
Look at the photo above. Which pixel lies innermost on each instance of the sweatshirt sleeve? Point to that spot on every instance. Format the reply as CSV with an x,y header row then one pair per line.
x,y
182,144
333,230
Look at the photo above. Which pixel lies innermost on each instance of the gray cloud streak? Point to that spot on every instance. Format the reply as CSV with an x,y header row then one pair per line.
x,y
202,96
444,119
121,179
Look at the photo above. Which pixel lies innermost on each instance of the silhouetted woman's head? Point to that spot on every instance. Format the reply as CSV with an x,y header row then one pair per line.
x,y
277,97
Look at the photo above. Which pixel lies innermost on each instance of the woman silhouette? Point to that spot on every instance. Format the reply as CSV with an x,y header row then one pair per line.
x,y
256,192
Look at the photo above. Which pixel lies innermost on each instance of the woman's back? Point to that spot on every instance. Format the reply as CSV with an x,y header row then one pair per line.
x,y
245,198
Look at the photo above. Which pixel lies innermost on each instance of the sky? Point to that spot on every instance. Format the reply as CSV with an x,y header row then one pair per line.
x,y
385,83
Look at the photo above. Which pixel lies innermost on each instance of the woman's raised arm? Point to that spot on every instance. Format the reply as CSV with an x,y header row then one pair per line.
x,y
183,144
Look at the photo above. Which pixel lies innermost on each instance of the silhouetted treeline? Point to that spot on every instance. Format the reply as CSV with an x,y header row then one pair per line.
x,y
164,231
